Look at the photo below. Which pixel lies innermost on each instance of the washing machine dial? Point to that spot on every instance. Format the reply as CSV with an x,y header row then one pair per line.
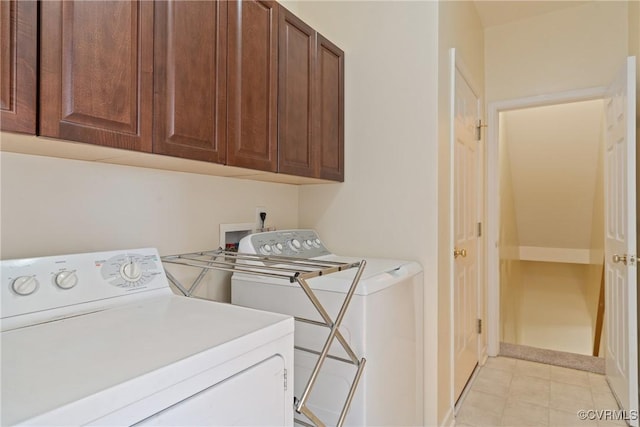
x,y
277,249
66,279
25,285
295,245
307,244
131,271
316,243
265,249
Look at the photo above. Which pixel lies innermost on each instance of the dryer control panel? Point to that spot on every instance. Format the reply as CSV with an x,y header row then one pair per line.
x,y
290,243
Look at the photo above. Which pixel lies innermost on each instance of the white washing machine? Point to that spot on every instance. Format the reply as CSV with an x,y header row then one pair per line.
x,y
100,339
384,324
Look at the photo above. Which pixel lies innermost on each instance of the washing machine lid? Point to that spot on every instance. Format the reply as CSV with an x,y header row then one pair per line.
x,y
378,274
102,361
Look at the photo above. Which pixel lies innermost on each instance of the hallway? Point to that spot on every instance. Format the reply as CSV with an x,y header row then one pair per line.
x,y
510,392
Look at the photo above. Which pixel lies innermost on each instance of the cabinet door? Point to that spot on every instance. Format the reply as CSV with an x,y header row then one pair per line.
x,y
18,53
330,104
296,73
97,72
190,79
252,84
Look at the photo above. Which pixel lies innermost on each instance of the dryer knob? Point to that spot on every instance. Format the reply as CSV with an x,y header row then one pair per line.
x,y
66,279
25,285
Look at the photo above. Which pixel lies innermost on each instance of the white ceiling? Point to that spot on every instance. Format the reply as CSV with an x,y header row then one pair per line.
x,y
495,12
553,153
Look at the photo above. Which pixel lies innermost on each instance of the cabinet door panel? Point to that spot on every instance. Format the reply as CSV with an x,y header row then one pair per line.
x,y
190,79
330,117
252,84
96,72
296,66
18,55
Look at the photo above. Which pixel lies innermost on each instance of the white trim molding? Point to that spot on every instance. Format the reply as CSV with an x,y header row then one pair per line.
x,y
566,255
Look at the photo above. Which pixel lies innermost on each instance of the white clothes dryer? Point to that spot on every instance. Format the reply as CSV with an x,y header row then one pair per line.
x,y
100,339
384,323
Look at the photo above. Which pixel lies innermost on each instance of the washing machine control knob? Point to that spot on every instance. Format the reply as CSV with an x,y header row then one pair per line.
x,y
307,244
265,249
131,271
316,243
295,245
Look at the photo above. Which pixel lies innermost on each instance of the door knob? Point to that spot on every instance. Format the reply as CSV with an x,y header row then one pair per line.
x,y
459,252
620,258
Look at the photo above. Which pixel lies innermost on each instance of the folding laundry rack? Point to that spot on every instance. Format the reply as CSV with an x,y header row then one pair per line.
x,y
296,270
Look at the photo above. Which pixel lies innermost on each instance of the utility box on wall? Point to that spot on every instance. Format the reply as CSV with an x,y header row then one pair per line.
x,y
231,234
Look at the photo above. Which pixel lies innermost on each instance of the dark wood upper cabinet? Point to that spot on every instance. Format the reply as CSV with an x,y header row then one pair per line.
x,y
252,84
310,102
330,115
96,72
18,62
239,82
296,96
190,79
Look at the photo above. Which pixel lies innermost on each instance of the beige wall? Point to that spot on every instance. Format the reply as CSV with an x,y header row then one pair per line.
x,y
554,151
459,27
54,206
574,48
392,161
386,207
509,243
634,27
594,271
552,311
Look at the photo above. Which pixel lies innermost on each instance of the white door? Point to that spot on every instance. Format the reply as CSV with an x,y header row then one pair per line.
x,y
465,231
620,239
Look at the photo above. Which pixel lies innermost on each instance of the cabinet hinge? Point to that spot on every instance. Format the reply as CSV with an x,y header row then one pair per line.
x,y
285,380
479,127
479,229
479,323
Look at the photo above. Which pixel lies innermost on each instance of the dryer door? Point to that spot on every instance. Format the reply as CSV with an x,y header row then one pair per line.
x,y
253,397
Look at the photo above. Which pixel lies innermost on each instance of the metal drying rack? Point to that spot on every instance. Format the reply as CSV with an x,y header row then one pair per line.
x,y
296,270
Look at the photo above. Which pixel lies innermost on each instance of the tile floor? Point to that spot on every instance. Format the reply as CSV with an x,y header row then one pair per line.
x,y
510,392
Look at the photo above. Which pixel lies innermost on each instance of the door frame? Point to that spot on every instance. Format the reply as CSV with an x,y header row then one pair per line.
x,y
492,177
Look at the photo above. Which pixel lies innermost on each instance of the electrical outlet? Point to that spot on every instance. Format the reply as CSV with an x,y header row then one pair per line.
x,y
257,217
